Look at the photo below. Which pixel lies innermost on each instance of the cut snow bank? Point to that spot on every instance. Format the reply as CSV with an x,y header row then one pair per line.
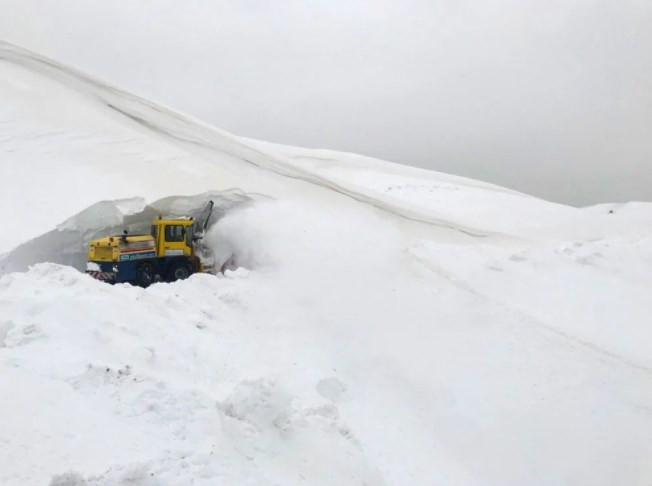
x,y
68,243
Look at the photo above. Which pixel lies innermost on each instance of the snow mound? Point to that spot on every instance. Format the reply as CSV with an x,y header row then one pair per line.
x,y
157,369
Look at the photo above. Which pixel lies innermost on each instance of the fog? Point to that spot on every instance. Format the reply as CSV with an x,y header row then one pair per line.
x,y
551,97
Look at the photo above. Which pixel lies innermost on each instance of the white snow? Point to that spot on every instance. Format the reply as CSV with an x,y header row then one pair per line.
x,y
385,325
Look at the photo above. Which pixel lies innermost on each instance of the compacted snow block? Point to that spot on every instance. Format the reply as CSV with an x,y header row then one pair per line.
x,y
68,243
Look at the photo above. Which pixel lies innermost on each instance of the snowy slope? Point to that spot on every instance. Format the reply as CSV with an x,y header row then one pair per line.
x,y
141,148
389,325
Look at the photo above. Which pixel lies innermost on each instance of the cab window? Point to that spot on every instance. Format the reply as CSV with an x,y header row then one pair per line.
x,y
154,231
174,232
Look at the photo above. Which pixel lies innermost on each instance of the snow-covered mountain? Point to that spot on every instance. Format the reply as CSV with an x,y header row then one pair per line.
x,y
388,325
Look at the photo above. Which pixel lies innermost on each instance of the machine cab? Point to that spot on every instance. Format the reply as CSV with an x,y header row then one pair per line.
x,y
173,237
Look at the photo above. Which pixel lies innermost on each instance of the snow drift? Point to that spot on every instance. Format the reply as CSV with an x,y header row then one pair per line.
x,y
386,325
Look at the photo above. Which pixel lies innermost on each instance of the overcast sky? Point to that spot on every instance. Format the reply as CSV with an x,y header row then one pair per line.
x,y
550,97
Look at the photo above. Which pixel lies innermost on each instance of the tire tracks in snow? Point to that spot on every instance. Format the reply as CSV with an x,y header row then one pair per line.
x,y
532,321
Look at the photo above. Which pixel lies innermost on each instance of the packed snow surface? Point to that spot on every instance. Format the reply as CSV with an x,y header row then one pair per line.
x,y
384,326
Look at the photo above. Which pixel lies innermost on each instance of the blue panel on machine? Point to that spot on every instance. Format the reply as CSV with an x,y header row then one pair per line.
x,y
137,256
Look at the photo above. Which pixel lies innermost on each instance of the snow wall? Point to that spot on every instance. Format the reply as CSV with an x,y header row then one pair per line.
x,y
67,244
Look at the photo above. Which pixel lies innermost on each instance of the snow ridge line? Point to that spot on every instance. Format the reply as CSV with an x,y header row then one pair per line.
x,y
314,179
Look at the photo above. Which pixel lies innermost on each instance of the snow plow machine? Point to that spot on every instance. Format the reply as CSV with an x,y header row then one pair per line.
x,y
172,251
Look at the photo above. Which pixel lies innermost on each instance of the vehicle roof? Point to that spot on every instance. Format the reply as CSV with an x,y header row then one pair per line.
x,y
184,220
